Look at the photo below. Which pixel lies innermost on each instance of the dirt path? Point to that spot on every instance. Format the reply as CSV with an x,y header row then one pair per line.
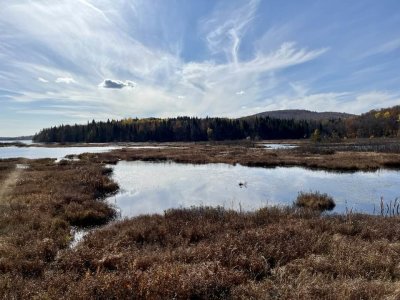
x,y
7,186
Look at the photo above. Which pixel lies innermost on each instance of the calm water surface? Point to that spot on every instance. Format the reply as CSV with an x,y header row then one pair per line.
x,y
49,152
279,146
61,152
148,187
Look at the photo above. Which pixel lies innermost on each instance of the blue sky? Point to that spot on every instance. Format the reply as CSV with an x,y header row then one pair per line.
x,y
70,61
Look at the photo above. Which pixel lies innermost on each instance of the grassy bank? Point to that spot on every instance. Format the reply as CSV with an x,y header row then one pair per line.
x,y
6,167
249,154
38,207
211,253
381,145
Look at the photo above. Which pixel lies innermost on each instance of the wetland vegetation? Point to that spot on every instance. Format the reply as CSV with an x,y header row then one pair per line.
x,y
188,149
200,252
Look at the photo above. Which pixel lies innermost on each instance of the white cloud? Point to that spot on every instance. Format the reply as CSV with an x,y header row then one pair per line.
x,y
389,46
316,101
299,88
42,80
66,80
116,84
211,84
374,100
226,28
356,103
71,113
384,48
104,52
88,42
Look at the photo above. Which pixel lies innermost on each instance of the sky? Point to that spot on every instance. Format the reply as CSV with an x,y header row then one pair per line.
x,y
71,61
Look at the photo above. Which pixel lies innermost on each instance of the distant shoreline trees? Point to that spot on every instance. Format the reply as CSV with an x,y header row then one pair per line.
x,y
177,129
181,129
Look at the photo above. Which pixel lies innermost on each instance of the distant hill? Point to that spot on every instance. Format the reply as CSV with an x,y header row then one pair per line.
x,y
301,114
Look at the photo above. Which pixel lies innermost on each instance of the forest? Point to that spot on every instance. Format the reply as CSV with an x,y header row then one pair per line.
x,y
178,129
376,123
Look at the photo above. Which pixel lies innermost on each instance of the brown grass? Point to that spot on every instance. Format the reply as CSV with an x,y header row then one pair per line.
x,y
211,253
6,167
250,154
36,216
198,253
315,201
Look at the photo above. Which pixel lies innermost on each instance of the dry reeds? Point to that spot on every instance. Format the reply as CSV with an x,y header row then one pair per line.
x,y
37,213
212,253
201,153
315,201
390,209
196,253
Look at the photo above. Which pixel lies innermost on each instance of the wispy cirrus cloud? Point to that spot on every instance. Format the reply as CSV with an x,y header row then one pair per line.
x,y
66,80
200,87
225,28
243,58
384,48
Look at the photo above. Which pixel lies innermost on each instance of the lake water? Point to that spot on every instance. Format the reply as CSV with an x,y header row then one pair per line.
x,y
148,187
279,146
60,152
49,152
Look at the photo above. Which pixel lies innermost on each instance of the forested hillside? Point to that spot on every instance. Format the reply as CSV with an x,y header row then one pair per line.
x,y
384,122
376,123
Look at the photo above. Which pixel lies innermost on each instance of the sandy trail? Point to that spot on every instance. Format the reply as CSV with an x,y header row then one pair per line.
x,y
7,186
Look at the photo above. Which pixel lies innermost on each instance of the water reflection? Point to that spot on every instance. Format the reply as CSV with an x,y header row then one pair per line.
x,y
279,146
34,152
148,187
49,152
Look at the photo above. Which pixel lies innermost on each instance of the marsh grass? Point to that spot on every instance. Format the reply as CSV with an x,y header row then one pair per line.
x,y
307,155
37,214
213,253
389,209
315,201
196,253
6,166
378,145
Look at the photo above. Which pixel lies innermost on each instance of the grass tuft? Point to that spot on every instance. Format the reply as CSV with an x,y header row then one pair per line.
x,y
315,201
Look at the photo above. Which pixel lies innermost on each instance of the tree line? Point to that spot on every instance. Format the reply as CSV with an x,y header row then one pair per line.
x,y
177,129
384,122
375,123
